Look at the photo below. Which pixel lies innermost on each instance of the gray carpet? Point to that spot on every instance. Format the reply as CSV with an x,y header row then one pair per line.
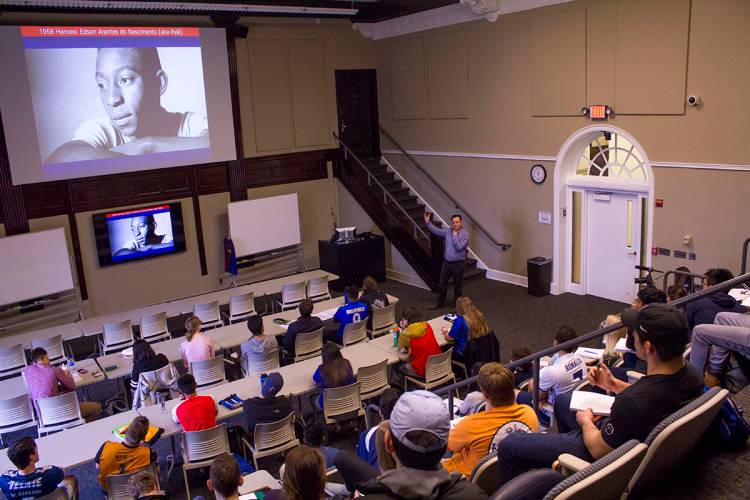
x,y
518,319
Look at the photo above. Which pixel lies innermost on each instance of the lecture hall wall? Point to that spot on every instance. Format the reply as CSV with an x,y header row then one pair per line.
x,y
288,105
516,87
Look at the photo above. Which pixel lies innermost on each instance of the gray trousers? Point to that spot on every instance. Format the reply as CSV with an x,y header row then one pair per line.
x,y
713,343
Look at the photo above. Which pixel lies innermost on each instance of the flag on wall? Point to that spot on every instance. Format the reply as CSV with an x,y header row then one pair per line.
x,y
230,258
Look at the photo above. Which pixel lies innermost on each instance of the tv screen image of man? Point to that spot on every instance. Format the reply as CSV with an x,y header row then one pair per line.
x,y
140,235
130,82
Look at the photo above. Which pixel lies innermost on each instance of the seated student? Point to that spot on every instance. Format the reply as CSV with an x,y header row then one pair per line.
x,y
145,360
478,434
45,381
197,346
194,412
469,323
224,478
269,407
367,443
416,343
30,481
675,292
417,438
334,371
352,311
524,372
660,333
306,323
258,343
711,345
647,295
565,371
703,311
115,457
144,486
316,436
304,476
373,297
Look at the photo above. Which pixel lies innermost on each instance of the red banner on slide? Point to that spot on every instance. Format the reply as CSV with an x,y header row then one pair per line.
x,y
108,31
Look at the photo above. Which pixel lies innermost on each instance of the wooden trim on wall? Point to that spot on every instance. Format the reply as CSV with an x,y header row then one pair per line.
x,y
11,197
236,172
76,242
286,168
198,220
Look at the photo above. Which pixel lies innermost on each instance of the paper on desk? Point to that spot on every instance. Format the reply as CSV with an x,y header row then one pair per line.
x,y
588,352
621,345
77,378
600,404
740,294
327,314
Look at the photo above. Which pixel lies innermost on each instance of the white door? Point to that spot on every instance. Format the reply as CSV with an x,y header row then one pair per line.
x,y
613,228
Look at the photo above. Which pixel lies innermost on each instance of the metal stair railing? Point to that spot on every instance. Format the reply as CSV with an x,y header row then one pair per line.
x,y
570,345
386,194
743,267
474,220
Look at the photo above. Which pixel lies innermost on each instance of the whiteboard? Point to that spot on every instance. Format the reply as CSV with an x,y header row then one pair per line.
x,y
264,224
33,265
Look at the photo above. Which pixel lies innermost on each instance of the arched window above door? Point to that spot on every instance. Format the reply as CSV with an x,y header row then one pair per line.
x,y
610,155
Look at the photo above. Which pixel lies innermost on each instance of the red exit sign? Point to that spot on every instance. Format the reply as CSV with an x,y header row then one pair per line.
x,y
598,112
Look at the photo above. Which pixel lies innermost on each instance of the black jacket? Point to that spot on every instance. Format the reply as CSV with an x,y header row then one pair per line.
x,y
423,484
703,311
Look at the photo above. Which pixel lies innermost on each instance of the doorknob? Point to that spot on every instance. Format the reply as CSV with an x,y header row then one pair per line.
x,y
633,253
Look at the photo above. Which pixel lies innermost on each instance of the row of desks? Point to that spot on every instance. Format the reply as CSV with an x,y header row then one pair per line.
x,y
95,325
226,337
78,446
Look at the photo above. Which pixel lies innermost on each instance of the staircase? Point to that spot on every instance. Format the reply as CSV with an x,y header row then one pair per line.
x,y
398,214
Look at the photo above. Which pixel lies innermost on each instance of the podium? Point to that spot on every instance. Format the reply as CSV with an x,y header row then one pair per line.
x,y
353,261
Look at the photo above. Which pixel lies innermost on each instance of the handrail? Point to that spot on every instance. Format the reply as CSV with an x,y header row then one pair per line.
x,y
567,346
386,193
504,246
743,267
682,273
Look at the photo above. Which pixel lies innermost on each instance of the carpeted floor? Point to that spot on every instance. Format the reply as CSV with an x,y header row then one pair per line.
x,y
518,319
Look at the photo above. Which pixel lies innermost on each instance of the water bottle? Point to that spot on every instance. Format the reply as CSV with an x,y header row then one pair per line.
x,y
396,332
71,364
161,398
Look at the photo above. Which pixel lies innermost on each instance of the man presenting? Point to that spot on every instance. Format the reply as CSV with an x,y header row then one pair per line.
x,y
454,257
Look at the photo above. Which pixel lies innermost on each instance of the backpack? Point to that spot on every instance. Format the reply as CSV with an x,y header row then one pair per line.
x,y
729,427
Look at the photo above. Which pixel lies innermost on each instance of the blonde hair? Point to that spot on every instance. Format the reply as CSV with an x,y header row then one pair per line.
x,y
192,326
473,316
610,339
496,383
385,459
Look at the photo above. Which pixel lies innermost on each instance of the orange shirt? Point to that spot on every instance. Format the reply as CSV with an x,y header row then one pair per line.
x,y
476,435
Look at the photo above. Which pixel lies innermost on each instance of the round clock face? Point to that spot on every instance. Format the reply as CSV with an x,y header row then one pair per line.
x,y
538,174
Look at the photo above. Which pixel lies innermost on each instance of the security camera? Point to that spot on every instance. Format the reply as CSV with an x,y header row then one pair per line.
x,y
693,100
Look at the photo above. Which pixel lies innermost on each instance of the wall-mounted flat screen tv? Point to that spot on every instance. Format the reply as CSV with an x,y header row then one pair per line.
x,y
139,233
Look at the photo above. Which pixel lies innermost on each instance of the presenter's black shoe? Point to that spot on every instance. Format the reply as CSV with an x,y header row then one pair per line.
x,y
437,306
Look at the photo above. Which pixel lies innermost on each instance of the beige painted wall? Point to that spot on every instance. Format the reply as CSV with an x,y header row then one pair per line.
x,y
500,121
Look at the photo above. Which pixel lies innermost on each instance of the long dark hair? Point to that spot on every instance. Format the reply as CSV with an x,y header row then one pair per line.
x,y
142,351
335,370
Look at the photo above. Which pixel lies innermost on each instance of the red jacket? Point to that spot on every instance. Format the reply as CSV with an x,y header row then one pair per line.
x,y
422,348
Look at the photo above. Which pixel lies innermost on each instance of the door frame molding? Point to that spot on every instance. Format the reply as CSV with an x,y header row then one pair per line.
x,y
565,179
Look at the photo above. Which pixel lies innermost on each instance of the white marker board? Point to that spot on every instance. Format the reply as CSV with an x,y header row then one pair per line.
x,y
264,224
33,265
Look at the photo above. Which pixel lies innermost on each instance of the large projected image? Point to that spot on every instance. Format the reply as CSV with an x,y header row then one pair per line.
x,y
79,101
109,100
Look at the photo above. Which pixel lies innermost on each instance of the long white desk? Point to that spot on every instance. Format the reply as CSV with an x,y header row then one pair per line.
x,y
15,386
95,325
68,331
268,287
78,445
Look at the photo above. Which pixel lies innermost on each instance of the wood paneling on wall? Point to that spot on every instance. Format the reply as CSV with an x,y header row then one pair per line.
x,y
272,104
408,85
447,75
307,65
651,56
558,63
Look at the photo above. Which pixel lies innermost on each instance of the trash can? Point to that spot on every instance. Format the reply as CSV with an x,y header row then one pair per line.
x,y
539,271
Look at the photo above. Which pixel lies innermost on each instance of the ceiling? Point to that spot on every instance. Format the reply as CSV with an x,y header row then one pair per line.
x,y
361,11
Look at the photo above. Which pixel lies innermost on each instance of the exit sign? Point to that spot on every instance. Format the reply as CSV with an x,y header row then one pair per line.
x,y
598,111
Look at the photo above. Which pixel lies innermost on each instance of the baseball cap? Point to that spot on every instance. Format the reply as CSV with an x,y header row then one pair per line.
x,y
273,384
420,411
656,321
